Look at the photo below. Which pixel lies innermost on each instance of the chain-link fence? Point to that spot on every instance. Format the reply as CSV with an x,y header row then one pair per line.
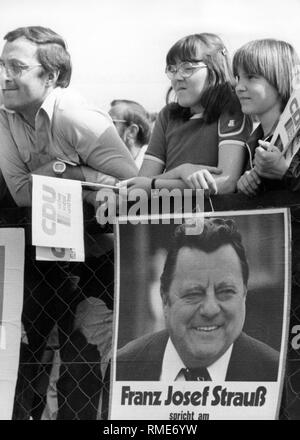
x,y
66,327
67,321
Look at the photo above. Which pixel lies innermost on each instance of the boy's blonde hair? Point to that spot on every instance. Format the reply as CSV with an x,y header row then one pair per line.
x,y
275,60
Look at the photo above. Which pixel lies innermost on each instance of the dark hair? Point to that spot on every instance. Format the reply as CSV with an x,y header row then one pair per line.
x,y
218,93
51,51
275,60
170,96
134,113
216,233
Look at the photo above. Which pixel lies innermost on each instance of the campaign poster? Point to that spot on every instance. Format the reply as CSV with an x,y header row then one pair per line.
x,y
201,316
57,218
12,247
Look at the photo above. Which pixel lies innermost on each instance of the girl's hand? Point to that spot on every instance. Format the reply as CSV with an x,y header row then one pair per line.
x,y
136,183
187,169
249,183
202,179
269,161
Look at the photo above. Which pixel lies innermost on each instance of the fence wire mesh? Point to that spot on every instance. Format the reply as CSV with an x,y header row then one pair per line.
x,y
67,329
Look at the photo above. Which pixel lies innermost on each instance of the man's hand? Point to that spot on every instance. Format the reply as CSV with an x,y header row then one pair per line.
x,y
249,183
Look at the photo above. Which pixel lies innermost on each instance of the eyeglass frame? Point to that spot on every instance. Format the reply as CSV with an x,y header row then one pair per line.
x,y
178,67
22,68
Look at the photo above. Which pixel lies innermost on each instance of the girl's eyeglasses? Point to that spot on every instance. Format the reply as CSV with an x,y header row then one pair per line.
x,y
185,69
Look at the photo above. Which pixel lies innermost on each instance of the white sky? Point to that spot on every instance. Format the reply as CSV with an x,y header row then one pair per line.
x,y
118,47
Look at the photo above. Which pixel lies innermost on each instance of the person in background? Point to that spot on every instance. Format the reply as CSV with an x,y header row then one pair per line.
x,y
204,129
264,70
133,123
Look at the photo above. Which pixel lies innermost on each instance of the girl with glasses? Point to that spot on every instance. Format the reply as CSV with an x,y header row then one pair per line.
x,y
203,129
265,71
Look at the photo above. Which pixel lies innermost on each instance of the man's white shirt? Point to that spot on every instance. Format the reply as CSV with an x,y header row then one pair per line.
x,y
172,364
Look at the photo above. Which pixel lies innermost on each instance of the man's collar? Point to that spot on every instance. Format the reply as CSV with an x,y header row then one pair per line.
x,y
47,106
6,109
172,364
218,369
49,102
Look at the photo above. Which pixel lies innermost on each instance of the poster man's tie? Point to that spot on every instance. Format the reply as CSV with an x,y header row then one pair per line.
x,y
196,374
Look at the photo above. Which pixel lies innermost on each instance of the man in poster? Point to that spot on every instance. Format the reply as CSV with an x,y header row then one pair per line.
x,y
203,290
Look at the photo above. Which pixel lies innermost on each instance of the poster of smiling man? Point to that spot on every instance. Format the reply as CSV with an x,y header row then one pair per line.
x,y
201,322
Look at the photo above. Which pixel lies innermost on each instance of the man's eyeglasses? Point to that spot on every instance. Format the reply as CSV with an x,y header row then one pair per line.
x,y
185,69
15,70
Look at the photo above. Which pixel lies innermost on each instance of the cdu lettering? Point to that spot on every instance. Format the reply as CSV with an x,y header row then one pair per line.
x,y
48,210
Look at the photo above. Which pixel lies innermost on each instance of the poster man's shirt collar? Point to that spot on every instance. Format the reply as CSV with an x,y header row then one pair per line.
x,y
172,364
